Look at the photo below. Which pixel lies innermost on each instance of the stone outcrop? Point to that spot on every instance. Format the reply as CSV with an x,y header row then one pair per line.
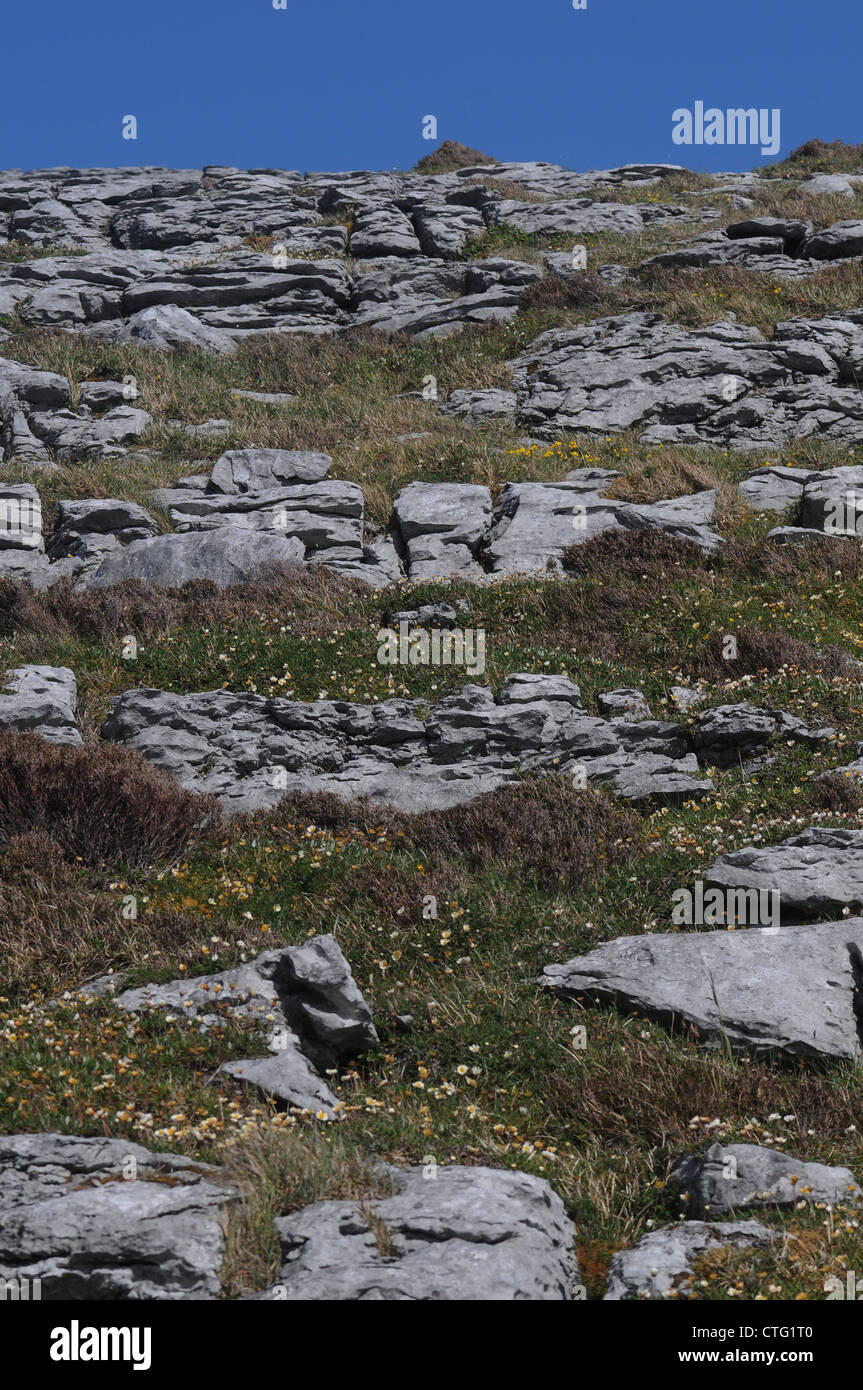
x,y
263,508
731,1177
724,384
38,425
475,1234
791,989
97,1219
779,246
250,750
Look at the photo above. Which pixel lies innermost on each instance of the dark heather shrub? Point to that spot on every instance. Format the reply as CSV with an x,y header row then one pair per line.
x,y
545,829
100,803
835,791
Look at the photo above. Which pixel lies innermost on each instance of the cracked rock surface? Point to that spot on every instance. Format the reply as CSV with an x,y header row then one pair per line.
x,y
730,1177
250,750
107,1219
661,1262
793,989
724,384
783,246
463,1233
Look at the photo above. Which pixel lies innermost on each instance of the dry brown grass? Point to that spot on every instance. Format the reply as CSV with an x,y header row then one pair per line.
x,y
452,155
553,832
317,600
821,208
102,804
619,557
556,834
672,473
59,925
823,156
633,1090
834,791
587,291
765,651
696,298
278,1171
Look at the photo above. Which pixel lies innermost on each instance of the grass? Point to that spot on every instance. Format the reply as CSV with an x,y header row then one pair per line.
x,y
13,251
447,917
819,156
487,1073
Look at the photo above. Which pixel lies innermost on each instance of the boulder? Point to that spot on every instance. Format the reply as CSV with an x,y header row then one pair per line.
x,y
168,326
447,1233
791,990
105,1219
305,1000
729,1177
230,555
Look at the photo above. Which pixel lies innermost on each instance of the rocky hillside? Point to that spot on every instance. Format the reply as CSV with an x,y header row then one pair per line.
x,y
431,731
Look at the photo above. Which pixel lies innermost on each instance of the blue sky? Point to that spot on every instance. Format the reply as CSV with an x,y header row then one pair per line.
x,y
342,84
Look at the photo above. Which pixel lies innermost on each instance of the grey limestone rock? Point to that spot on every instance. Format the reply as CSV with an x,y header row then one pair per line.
x,y
661,1263
790,989
729,1177
41,699
464,1233
100,1219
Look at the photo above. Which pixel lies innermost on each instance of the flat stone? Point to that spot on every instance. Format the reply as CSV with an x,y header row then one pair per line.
x,y
773,489
265,397
464,1233
103,395
626,703
818,873
661,1263
98,1219
257,470
476,407
792,990
288,1077
831,185
730,1177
